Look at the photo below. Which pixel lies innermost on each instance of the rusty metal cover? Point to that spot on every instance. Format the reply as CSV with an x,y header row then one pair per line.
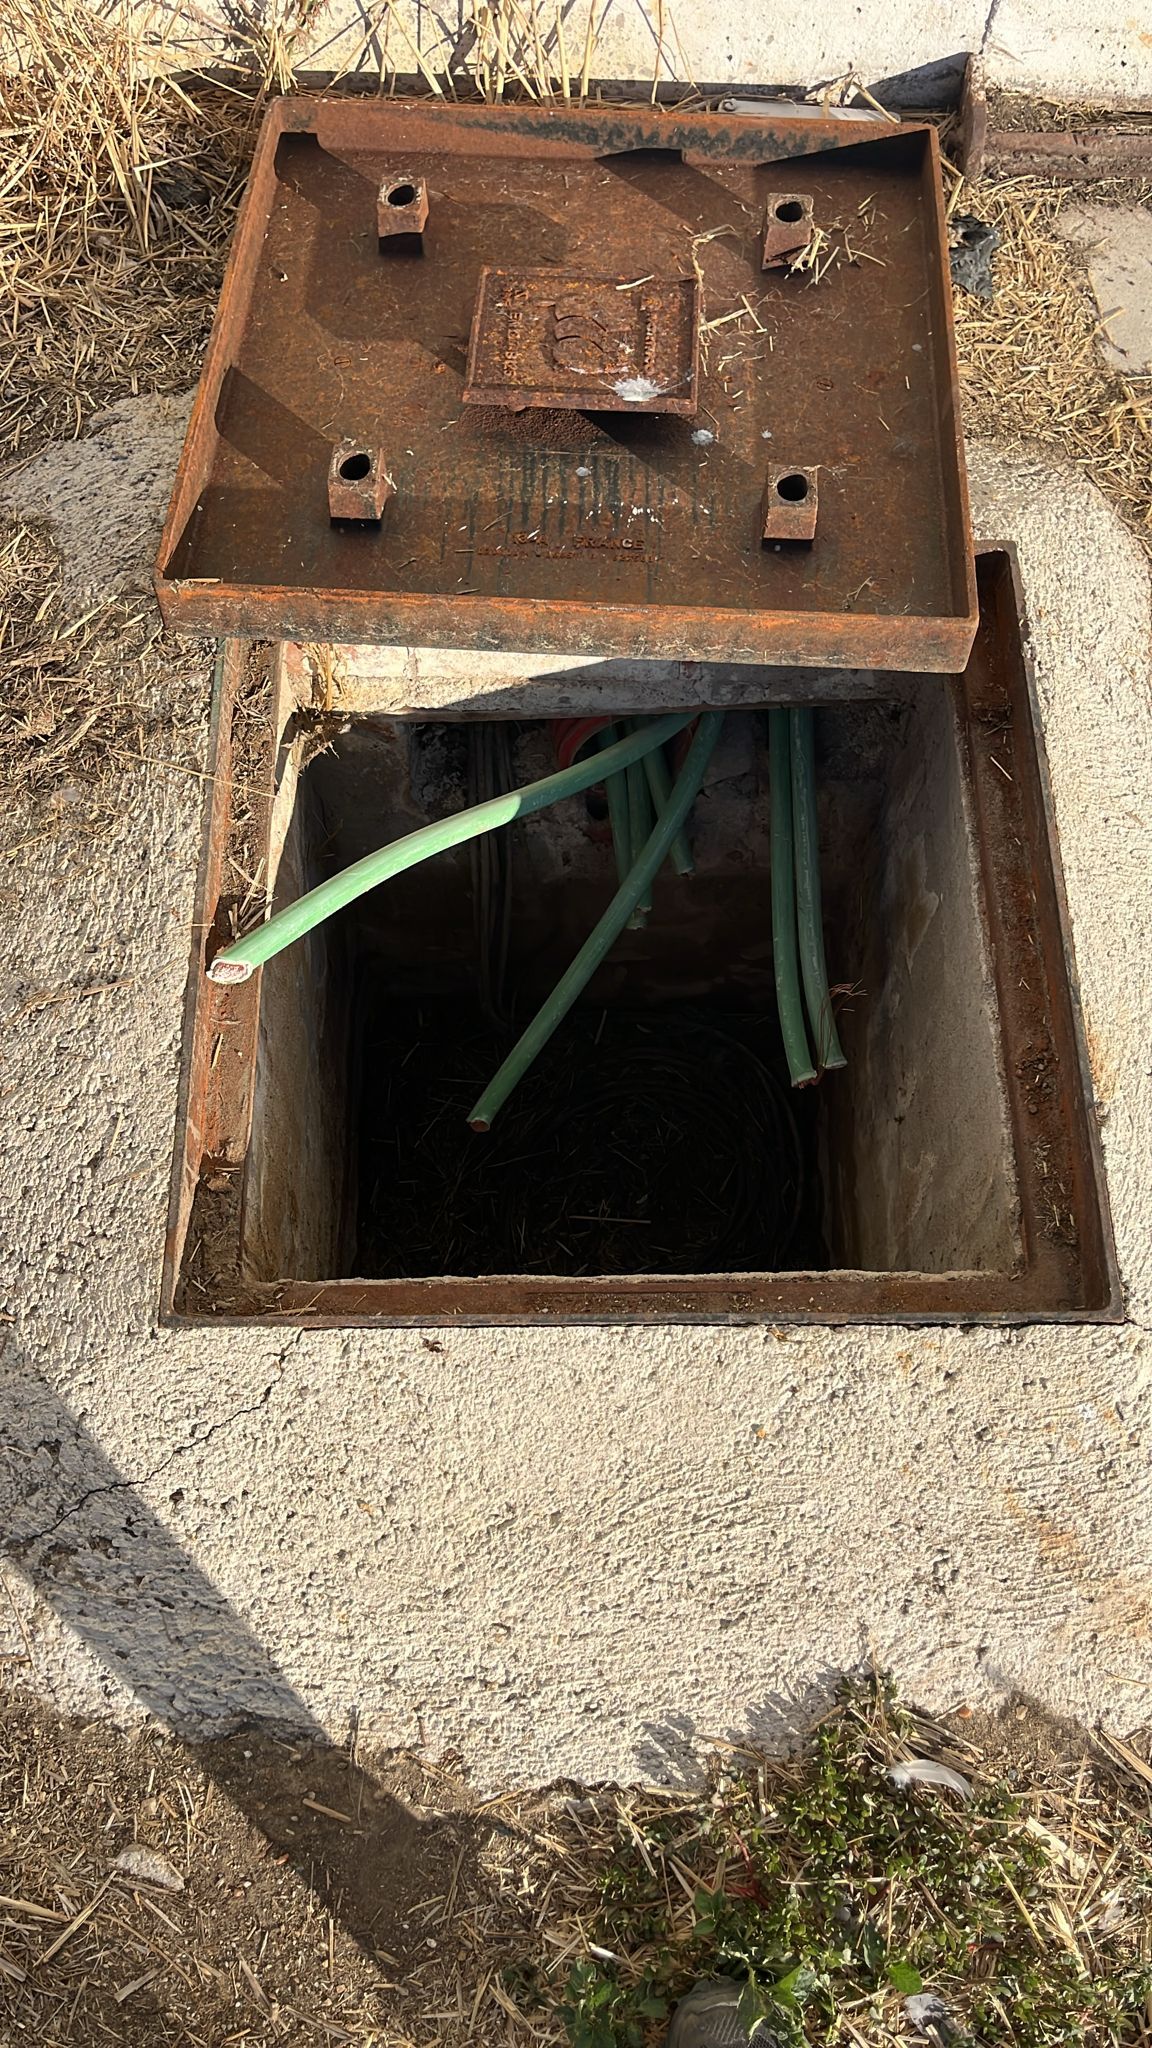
x,y
530,511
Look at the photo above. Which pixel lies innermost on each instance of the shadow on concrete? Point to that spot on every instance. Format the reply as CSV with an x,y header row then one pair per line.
x,y
82,1536
674,1752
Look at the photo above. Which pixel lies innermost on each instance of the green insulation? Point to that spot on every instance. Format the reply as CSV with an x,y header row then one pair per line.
x,y
639,828
785,961
809,916
576,977
660,789
237,961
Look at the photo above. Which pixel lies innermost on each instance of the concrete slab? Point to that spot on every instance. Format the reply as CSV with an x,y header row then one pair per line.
x,y
1058,48
565,1551
105,497
1070,50
1118,244
737,44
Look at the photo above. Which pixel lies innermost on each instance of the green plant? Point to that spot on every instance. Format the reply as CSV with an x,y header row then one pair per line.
x,y
834,1895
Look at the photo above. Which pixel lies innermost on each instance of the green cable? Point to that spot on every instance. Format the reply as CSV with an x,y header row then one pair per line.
x,y
616,793
806,846
597,944
237,961
784,959
639,827
660,786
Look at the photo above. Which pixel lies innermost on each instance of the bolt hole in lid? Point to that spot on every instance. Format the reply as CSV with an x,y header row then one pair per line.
x,y
401,195
793,487
354,467
789,209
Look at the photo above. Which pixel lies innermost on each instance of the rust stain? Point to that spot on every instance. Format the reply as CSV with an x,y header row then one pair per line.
x,y
1116,1603
1103,1062
543,338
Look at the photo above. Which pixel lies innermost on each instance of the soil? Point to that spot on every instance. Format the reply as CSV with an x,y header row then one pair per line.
x,y
317,1895
316,1887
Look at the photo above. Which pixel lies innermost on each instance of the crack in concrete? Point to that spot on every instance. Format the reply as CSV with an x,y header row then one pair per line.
x,y
993,11
21,1546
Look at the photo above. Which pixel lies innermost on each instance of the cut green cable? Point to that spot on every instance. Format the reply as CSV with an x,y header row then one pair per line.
x,y
616,796
598,943
809,916
237,961
639,828
785,963
660,786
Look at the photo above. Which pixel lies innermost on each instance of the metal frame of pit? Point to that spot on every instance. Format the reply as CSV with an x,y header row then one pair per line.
x,y
1067,1271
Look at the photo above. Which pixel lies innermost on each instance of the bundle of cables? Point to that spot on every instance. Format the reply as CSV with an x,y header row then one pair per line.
x,y
649,812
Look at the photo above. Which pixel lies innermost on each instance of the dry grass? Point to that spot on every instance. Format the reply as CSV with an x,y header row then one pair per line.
x,y
1030,364
118,199
325,1902
1024,110
1026,1911
116,207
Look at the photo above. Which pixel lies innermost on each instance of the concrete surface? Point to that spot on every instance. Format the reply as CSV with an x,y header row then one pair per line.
x,y
580,1551
1118,244
106,496
1063,49
1053,47
1071,49
451,682
740,44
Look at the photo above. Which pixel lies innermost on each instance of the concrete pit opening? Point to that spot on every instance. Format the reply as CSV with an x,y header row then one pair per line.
x,y
654,1162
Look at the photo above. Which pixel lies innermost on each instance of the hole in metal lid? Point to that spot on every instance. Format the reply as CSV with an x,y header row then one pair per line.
x,y
794,487
790,209
354,467
401,195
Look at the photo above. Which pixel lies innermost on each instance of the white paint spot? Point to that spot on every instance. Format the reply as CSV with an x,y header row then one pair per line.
x,y
703,437
583,472
636,390
766,434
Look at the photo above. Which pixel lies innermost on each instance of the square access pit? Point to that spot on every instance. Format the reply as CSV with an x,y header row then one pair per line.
x,y
654,1165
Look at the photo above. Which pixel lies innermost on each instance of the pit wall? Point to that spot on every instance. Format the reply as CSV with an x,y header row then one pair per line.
x,y
296,1193
918,1169
930,1140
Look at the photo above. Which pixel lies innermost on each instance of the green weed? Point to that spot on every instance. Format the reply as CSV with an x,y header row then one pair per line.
x,y
834,1896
